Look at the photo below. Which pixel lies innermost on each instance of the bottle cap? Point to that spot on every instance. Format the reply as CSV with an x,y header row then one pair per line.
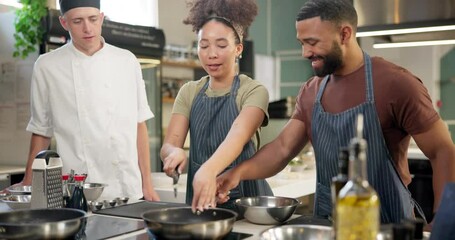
x,y
79,177
65,177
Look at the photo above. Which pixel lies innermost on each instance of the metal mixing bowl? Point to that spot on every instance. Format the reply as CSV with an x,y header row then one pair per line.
x,y
297,232
23,189
17,201
267,209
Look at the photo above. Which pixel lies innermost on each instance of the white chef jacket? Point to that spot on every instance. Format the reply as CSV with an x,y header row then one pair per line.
x,y
92,105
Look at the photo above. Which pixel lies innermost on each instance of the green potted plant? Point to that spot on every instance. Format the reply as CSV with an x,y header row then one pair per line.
x,y
29,31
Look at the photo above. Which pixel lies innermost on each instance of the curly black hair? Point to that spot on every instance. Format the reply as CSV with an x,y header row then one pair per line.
x,y
237,14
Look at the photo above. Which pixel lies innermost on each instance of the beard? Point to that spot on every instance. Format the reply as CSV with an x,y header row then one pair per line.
x,y
332,61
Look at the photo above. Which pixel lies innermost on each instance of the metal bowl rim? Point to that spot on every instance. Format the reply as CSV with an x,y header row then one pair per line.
x,y
16,189
238,202
312,226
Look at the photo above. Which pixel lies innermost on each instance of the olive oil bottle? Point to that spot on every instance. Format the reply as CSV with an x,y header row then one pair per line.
x,y
358,204
339,180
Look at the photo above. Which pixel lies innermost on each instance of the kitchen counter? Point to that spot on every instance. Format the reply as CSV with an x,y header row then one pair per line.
x,y
285,184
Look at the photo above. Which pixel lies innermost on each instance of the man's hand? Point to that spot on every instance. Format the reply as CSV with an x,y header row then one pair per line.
x,y
225,182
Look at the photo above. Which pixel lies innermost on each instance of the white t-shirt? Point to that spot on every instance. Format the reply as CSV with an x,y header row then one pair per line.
x,y
92,105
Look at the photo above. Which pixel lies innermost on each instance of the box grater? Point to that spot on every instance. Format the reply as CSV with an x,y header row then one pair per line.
x,y
47,180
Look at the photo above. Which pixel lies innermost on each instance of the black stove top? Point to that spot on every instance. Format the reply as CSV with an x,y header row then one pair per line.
x,y
102,227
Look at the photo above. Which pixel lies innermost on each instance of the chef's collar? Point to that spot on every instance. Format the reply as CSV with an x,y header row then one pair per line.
x,y
79,54
66,5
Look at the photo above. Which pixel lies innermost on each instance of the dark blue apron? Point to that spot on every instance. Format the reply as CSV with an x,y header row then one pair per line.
x,y
211,119
332,131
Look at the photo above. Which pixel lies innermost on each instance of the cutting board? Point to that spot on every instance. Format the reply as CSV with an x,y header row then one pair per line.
x,y
135,210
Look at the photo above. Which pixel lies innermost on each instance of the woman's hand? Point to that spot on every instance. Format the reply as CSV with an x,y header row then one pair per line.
x,y
175,160
204,189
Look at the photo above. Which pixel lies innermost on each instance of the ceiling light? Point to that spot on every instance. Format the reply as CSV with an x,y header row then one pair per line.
x,y
406,28
413,44
405,31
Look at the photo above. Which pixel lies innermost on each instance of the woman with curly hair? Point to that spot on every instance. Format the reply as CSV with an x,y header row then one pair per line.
x,y
222,111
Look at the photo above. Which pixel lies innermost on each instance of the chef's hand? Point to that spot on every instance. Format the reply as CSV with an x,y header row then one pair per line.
x,y
204,189
225,182
175,159
150,194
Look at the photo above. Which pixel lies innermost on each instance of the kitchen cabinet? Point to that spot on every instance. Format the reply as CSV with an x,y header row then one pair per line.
x,y
175,73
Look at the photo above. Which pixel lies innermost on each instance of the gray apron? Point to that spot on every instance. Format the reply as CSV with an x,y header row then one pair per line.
x,y
211,119
332,131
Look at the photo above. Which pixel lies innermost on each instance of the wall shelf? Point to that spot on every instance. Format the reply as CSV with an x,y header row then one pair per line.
x,y
185,64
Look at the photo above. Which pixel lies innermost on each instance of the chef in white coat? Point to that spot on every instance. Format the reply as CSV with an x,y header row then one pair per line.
x,y
90,96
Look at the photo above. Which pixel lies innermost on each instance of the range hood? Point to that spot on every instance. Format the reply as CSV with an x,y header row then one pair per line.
x,y
400,22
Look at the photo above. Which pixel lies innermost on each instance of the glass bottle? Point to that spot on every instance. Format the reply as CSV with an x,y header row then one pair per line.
x,y
78,199
340,179
358,203
66,191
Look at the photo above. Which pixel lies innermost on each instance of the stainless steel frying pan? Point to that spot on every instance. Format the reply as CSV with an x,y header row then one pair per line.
x,y
182,223
41,223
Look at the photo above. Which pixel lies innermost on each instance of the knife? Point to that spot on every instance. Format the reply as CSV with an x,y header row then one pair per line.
x,y
175,180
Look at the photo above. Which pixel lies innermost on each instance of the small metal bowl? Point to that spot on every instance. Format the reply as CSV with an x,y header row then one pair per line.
x,y
95,206
92,191
109,203
20,189
17,201
267,210
122,200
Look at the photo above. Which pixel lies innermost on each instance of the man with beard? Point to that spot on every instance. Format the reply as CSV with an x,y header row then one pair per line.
x,y
395,105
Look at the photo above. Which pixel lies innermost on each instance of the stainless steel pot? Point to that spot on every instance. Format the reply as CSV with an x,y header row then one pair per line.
x,y
41,223
182,223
